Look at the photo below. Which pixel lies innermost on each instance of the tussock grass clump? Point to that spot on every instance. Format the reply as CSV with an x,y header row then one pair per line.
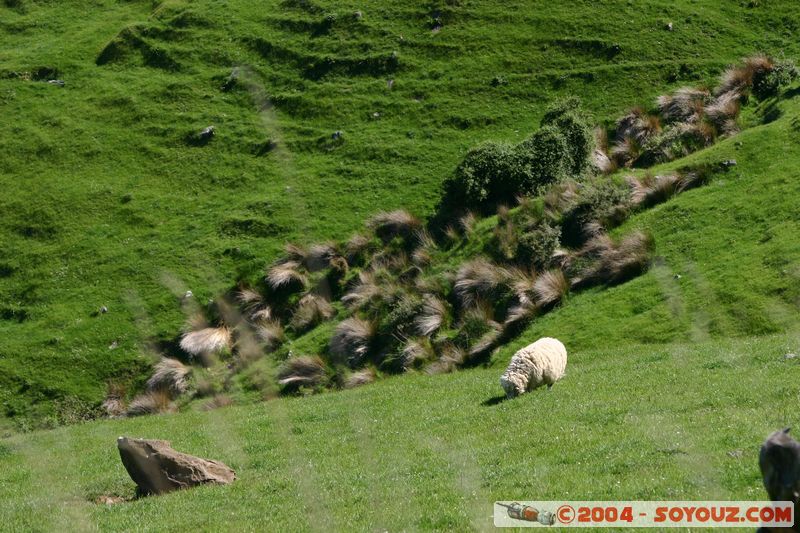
x,y
722,112
435,315
391,224
303,371
479,278
626,151
651,190
151,403
684,105
416,352
217,402
615,262
314,258
249,299
357,379
287,275
600,203
372,288
170,375
114,404
739,79
550,288
450,359
206,341
311,310
352,340
600,158
270,334
426,245
638,125
357,248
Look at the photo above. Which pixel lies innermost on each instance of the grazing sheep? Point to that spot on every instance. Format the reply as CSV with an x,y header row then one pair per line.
x,y
542,362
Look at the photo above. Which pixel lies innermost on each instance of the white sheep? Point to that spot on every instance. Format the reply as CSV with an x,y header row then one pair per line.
x,y
542,362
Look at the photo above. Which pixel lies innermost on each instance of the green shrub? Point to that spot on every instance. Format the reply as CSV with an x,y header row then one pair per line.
x,y
768,83
489,174
567,116
547,158
537,244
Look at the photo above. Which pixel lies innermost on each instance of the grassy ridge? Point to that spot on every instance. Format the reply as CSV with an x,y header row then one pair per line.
x,y
106,203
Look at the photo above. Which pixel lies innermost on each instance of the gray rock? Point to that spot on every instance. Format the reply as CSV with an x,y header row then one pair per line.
x,y
157,468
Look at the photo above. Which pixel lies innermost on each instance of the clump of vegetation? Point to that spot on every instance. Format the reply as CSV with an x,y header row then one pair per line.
x,y
692,118
401,306
496,173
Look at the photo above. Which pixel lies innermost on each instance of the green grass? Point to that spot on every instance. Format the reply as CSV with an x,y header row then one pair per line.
x,y
679,421
106,204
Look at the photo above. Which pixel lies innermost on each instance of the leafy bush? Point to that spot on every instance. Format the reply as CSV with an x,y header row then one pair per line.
x,y
490,173
537,244
768,83
546,156
566,115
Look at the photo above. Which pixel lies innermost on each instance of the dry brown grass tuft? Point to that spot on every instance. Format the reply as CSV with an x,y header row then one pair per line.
x,y
366,291
311,310
451,234
114,405
261,315
739,79
683,105
479,278
615,262
249,299
426,245
357,379
638,125
451,358
467,222
435,313
651,190
217,402
560,197
206,341
486,344
295,252
270,334
319,256
352,339
399,223
626,151
303,371
550,288
151,403
416,352
723,111
170,375
286,274
356,248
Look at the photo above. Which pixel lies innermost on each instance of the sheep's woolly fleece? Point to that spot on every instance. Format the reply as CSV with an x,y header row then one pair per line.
x,y
542,362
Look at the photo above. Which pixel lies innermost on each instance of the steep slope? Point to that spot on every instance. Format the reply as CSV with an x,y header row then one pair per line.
x,y
110,202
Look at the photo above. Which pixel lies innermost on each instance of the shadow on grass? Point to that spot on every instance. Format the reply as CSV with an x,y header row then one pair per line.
x,y
494,401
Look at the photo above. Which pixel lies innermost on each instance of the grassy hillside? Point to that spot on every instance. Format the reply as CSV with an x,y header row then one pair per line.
x,y
109,202
678,420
